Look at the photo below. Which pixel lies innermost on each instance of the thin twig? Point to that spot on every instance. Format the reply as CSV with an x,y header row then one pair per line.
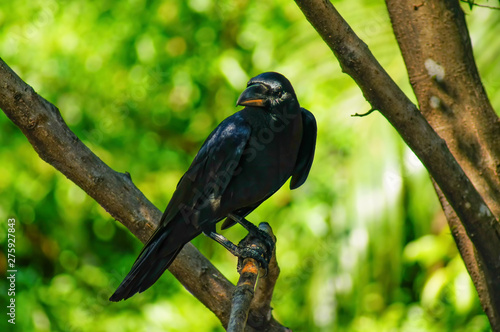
x,y
478,5
364,114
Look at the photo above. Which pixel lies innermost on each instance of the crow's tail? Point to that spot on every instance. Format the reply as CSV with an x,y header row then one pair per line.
x,y
154,259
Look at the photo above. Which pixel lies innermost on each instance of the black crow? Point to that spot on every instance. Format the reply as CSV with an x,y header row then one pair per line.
x,y
245,160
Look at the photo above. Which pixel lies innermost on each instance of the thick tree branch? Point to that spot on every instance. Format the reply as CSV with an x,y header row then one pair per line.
x,y
472,261
383,94
42,124
438,55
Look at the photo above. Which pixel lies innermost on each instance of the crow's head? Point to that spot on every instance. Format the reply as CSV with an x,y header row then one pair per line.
x,y
267,90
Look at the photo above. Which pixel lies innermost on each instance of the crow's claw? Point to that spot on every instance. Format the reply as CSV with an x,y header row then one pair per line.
x,y
258,245
256,253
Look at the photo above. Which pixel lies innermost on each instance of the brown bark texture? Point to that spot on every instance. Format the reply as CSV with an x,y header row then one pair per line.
x,y
477,212
436,47
42,124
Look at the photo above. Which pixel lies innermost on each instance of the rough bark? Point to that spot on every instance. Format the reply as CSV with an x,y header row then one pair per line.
x,y
472,209
42,124
437,51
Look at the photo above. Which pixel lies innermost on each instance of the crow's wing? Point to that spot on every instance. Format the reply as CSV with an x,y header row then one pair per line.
x,y
212,168
306,151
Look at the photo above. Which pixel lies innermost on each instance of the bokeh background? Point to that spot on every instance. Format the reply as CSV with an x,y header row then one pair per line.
x,y
363,244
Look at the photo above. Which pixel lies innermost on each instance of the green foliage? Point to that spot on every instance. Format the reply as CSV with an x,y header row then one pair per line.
x,y
363,245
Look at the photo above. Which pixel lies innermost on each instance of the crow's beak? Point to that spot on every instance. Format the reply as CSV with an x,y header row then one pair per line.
x,y
253,96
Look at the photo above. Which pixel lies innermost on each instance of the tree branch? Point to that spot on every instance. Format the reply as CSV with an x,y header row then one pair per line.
x,y
42,124
260,307
243,295
383,94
